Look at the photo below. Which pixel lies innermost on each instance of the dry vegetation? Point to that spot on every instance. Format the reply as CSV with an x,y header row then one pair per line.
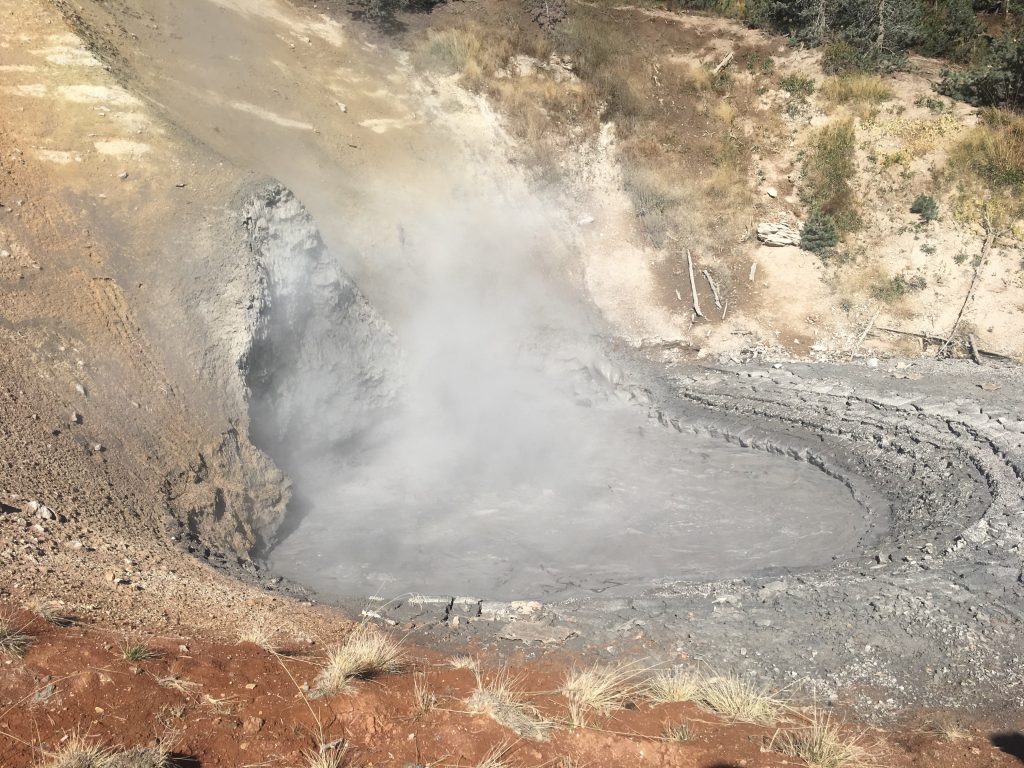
x,y
858,89
598,690
684,163
674,685
52,613
13,639
366,653
988,164
501,700
694,143
740,698
823,743
78,752
263,632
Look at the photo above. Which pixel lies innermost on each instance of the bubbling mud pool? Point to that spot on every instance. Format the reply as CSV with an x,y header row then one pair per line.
x,y
487,445
660,506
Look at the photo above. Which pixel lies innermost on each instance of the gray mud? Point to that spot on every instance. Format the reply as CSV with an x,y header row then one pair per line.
x,y
691,506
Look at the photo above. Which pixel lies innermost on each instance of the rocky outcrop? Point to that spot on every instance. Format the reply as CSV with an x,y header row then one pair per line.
x,y
321,359
777,235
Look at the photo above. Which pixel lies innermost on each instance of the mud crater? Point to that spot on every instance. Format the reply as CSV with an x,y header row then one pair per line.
x,y
568,481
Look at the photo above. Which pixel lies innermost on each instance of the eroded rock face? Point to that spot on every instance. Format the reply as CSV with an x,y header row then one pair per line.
x,y
305,341
232,497
316,339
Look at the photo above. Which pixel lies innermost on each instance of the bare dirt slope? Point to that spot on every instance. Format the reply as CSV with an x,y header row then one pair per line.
x,y
100,421
666,153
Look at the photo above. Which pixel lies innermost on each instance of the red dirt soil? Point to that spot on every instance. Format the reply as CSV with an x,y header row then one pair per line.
x,y
214,704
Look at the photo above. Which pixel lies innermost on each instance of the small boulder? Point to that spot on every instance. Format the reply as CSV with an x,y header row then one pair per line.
x,y
777,235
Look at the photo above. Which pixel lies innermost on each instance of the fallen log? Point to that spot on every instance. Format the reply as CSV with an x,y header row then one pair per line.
x,y
693,285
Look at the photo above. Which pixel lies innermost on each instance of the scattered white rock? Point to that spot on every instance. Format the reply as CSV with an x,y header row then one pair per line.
x,y
777,235
41,511
772,192
80,390
584,220
871,362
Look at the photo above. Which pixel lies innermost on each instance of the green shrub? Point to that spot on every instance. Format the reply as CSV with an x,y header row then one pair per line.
x,y
840,58
899,286
819,233
997,81
757,62
926,207
879,32
796,18
828,168
380,11
798,85
949,29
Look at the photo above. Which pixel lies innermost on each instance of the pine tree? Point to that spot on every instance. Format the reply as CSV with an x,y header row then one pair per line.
x,y
926,207
819,233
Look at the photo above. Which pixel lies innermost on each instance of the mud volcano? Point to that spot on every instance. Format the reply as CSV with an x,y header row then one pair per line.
x,y
522,462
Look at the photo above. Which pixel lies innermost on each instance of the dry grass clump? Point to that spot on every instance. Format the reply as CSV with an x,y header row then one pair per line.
x,y
78,752
464,662
136,651
600,689
678,732
422,695
823,743
176,683
14,640
673,685
739,698
994,150
856,89
495,758
263,632
507,706
52,613
698,77
948,731
460,50
325,757
725,112
366,653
